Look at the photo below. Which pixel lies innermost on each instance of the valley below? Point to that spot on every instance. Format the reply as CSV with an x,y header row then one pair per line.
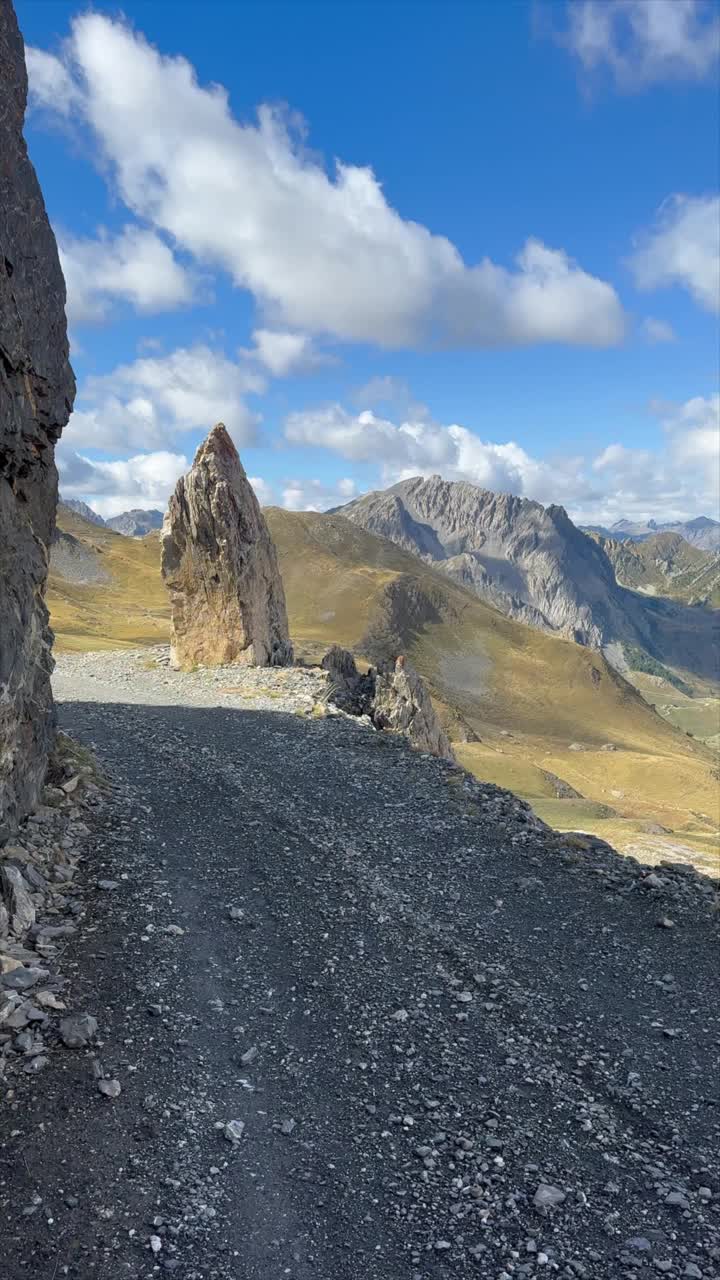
x,y
547,718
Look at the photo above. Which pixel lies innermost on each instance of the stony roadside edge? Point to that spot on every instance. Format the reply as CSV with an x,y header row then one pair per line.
x,y
472,1170
41,907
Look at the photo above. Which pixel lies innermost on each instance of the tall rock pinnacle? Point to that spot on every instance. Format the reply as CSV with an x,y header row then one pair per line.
x,y
219,564
37,388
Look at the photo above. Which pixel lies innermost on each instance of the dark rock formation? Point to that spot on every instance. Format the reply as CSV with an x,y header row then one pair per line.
x,y
36,394
402,704
220,566
394,697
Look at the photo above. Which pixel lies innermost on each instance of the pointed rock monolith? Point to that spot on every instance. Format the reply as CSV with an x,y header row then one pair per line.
x,y
220,566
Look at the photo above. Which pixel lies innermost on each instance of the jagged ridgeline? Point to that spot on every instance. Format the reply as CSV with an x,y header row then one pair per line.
x,y
36,395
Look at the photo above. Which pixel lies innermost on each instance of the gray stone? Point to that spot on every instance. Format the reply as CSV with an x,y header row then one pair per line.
x,y
18,901
220,566
110,1088
547,1196
36,395
24,978
77,1030
234,1130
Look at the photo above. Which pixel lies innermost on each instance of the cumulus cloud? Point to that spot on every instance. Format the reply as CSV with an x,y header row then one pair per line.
x,y
680,479
147,403
321,252
673,481
135,266
683,247
641,42
145,480
655,331
283,353
423,447
263,490
316,495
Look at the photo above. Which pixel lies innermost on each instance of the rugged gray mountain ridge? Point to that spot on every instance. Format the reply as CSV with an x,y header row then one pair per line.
x,y
80,508
37,388
533,564
136,523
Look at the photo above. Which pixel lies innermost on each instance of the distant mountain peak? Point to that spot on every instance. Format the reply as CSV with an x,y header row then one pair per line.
x,y
137,522
533,564
82,509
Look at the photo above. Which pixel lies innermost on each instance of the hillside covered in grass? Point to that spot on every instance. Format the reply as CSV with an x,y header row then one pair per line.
x,y
542,716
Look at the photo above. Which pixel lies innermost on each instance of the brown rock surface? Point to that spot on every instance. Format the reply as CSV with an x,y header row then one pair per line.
x,y
36,394
220,566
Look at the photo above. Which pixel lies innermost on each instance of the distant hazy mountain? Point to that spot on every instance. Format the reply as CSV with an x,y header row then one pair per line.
x,y
701,532
665,564
532,563
136,523
82,509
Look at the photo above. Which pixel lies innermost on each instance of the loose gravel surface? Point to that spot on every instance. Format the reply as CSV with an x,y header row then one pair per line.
x,y
358,1017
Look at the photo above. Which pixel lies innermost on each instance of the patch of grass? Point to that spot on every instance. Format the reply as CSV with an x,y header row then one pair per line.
x,y
638,660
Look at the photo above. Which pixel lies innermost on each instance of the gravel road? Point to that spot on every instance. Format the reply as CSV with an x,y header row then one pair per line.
x,y
370,1022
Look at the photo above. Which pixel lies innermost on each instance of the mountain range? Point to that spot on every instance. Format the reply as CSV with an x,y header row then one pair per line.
x,y
700,532
134,524
549,719
534,565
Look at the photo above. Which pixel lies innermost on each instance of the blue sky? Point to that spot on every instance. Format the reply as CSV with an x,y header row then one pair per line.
x,y
385,239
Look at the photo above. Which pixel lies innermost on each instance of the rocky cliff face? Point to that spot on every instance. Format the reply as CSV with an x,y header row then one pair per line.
x,y
533,564
219,564
36,394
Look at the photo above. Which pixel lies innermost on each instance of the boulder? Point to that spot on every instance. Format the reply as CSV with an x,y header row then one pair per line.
x,y
220,566
402,704
37,388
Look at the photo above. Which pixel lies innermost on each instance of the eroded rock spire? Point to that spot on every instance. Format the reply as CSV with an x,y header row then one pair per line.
x,y
220,566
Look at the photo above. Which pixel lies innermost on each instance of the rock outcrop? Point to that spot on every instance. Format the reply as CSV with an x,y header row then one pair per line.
x,y
220,566
393,696
401,704
37,388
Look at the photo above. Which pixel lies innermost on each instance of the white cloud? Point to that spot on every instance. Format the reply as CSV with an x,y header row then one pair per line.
x,y
146,404
644,41
315,495
655,331
51,82
263,491
282,353
135,266
145,480
683,248
321,254
423,447
677,479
